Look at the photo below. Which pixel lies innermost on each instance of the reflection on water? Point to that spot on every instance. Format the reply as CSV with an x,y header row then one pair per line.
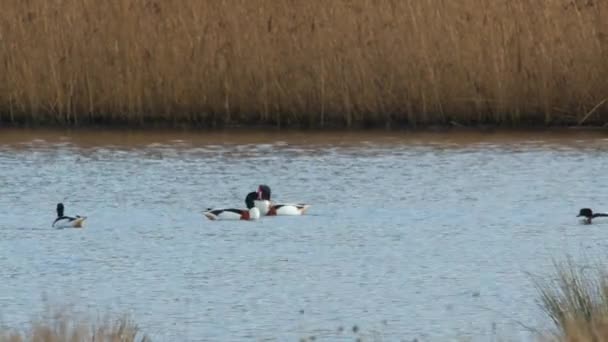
x,y
425,236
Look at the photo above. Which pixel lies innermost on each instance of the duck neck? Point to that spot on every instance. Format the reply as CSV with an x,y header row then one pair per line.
x,y
250,199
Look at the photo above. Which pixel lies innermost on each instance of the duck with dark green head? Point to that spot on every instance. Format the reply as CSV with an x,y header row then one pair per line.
x,y
587,214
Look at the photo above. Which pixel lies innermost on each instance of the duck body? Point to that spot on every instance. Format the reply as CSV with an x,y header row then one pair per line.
x,y
588,215
69,222
269,208
63,221
232,214
251,213
284,209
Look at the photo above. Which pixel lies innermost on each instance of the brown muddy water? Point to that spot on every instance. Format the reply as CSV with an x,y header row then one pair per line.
x,y
427,236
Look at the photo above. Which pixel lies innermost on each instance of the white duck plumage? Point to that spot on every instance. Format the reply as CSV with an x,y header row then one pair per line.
x,y
269,208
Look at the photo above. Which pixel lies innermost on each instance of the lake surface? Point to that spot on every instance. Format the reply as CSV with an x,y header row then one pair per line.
x,y
428,235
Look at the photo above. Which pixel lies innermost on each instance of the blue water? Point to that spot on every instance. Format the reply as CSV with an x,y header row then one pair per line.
x,y
426,239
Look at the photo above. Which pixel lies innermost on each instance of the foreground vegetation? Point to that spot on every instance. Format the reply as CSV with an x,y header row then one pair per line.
x,y
304,63
64,328
577,302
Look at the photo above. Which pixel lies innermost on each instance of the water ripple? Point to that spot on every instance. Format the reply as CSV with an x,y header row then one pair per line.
x,y
424,231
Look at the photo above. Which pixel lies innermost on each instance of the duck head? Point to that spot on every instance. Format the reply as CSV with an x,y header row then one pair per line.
x,y
585,212
587,215
59,209
263,192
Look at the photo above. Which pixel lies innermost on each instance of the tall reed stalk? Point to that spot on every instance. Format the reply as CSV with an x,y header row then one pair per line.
x,y
304,63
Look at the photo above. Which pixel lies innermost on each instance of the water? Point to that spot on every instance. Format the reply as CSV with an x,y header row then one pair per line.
x,y
428,236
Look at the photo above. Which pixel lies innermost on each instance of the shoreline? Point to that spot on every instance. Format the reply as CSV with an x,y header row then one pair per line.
x,y
262,128
131,137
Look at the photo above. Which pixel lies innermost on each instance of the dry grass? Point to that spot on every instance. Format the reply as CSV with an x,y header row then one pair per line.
x,y
577,303
307,63
65,328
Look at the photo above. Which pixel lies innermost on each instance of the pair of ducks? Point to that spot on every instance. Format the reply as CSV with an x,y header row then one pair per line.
x,y
258,204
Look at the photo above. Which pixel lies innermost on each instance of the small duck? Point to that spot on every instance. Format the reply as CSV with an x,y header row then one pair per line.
x,y
268,208
251,213
588,215
66,221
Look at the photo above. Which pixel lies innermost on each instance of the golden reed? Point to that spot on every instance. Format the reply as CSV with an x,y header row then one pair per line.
x,y
64,327
304,63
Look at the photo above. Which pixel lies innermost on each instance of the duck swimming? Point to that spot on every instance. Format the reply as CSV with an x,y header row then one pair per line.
x,y
251,213
588,215
66,221
268,208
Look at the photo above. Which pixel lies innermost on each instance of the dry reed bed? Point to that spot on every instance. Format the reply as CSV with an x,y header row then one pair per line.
x,y
312,63
65,327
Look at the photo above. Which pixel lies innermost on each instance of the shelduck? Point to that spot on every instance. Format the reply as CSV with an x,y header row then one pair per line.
x,y
251,213
264,203
66,221
588,214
